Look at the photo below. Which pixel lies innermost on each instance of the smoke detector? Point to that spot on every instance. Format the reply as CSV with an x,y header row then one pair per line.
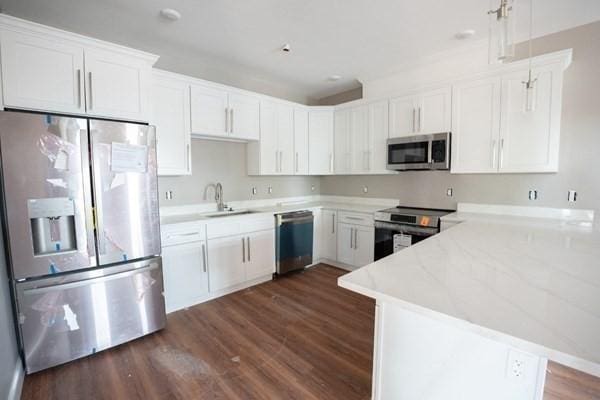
x,y
467,33
170,14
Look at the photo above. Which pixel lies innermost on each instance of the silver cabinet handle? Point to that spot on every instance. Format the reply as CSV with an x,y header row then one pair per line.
x,y
183,234
501,152
414,119
351,234
276,161
419,119
333,224
79,88
355,238
494,153
354,218
203,257
280,161
227,119
297,169
330,162
248,239
231,120
244,250
90,95
187,157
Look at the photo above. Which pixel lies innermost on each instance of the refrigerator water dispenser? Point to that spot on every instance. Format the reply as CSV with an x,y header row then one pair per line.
x,y
52,225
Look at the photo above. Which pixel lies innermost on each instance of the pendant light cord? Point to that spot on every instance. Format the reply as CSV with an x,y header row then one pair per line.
x,y
530,38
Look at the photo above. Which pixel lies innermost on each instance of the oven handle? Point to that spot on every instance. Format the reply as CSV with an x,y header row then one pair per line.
x,y
409,229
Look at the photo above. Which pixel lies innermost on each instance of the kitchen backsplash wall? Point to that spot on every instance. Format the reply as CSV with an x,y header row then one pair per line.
x,y
225,162
580,146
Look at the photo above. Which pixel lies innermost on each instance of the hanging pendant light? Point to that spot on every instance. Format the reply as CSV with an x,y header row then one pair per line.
x,y
530,83
502,32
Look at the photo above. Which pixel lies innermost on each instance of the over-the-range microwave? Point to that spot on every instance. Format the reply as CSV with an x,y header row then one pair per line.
x,y
419,152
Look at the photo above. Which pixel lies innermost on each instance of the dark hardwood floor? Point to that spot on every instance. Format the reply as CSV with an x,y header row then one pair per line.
x,y
298,337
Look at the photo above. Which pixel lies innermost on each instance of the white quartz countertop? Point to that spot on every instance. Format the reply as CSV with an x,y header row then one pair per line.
x,y
257,211
529,282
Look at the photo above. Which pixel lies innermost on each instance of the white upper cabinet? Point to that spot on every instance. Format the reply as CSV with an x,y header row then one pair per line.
x,y
171,116
494,132
529,140
217,111
320,140
301,141
342,142
378,136
47,69
360,140
274,153
476,126
210,112
422,113
117,85
42,74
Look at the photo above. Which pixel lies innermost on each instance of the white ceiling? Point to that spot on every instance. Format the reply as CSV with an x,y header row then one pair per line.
x,y
357,39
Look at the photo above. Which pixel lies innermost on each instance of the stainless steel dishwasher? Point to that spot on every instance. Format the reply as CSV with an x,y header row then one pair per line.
x,y
294,240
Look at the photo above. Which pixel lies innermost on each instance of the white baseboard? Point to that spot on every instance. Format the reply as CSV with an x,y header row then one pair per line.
x,y
16,385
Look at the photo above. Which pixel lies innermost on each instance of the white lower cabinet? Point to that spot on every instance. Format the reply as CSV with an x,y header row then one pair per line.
x,y
355,244
226,258
328,236
260,252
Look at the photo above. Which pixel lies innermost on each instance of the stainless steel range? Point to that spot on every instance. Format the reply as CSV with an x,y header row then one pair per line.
x,y
400,227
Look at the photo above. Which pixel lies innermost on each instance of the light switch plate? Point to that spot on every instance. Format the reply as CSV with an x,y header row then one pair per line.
x,y
449,192
533,195
365,189
254,191
169,195
270,190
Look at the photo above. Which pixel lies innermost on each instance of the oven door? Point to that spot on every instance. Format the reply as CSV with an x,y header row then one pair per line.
x,y
390,238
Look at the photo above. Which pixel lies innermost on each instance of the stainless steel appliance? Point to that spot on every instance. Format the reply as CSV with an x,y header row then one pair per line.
x,y
80,212
294,240
400,227
419,152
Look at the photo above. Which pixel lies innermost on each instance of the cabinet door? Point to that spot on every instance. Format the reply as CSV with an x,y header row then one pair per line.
x,y
260,254
269,147
403,116
360,139
244,116
285,129
209,111
433,112
171,116
185,274
476,122
345,244
320,141
301,141
226,262
378,136
328,234
117,86
529,140
341,141
364,243
42,74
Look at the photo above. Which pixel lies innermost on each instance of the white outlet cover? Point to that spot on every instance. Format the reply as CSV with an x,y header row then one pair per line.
x,y
520,366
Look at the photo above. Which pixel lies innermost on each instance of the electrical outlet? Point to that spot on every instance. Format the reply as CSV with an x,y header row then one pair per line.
x,y
254,191
449,192
520,367
270,190
572,196
365,189
169,194
533,195
312,188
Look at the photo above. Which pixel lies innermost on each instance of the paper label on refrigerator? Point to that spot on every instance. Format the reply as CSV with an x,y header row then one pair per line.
x,y
129,157
401,241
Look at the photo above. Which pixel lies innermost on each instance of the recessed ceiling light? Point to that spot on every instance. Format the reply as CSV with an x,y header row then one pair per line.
x,y
286,48
170,14
467,33
333,78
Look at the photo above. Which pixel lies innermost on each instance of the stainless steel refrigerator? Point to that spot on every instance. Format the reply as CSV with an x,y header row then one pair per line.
x,y
80,208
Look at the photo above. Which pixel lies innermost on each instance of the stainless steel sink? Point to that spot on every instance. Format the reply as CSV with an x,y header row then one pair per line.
x,y
229,213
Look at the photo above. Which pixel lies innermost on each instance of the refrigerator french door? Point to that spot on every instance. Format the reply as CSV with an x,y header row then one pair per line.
x,y
81,219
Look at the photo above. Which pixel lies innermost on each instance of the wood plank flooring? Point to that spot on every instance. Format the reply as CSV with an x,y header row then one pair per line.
x,y
298,337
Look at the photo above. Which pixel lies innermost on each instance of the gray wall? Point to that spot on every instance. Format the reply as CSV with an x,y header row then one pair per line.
x,y
343,97
580,146
8,345
225,162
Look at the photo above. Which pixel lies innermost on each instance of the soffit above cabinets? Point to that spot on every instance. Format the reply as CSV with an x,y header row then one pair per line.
x,y
221,40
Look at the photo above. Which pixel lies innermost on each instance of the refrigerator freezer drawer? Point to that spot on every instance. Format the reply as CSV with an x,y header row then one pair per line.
x,y
68,317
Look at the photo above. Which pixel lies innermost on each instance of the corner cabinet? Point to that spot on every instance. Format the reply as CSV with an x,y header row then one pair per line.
x,y
171,116
218,111
493,132
46,69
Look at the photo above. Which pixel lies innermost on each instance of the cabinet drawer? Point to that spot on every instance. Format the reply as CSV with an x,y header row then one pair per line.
x,y
180,234
355,218
239,226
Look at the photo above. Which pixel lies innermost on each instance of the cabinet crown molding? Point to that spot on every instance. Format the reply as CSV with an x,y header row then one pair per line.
x,y
15,24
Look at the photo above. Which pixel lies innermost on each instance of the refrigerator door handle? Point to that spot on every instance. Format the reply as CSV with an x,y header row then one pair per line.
x,y
87,282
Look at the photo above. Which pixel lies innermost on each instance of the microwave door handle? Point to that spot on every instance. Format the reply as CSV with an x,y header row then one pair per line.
x,y
430,152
